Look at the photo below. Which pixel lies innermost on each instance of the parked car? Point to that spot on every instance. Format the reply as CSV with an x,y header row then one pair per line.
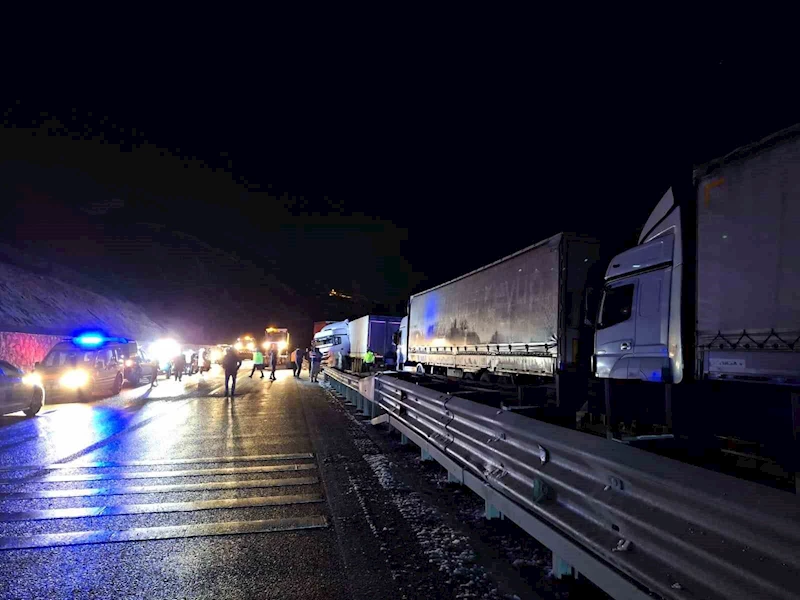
x,y
83,367
19,391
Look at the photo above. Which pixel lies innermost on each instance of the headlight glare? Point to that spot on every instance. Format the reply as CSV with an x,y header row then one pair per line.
x,y
32,379
75,379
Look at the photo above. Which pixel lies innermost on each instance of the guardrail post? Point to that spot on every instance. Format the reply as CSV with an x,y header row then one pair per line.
x,y
403,439
366,406
562,568
425,455
492,512
453,478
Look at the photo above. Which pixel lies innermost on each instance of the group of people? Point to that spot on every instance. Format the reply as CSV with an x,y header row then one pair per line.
x,y
314,357
231,363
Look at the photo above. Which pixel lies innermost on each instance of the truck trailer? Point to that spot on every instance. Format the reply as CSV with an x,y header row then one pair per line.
x,y
523,317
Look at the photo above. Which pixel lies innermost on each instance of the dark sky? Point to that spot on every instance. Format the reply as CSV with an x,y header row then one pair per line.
x,y
226,202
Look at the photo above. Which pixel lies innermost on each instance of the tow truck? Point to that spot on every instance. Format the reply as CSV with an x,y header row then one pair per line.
x,y
279,337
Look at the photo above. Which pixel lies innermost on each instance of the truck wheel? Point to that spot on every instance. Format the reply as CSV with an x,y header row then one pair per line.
x,y
37,399
487,377
117,385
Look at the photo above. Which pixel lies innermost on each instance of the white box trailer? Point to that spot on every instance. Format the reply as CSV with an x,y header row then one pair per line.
x,y
522,315
372,331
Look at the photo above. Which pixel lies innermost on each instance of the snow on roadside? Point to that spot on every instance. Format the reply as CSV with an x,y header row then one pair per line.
x,y
445,548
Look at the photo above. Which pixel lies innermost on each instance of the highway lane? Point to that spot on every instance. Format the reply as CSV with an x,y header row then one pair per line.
x,y
177,492
143,495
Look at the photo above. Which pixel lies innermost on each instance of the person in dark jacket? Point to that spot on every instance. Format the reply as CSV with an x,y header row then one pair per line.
x,y
179,366
315,360
298,361
273,361
231,363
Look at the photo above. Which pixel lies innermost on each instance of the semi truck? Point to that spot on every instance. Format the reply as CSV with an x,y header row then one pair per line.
x,y
705,310
333,341
280,338
350,340
693,334
523,318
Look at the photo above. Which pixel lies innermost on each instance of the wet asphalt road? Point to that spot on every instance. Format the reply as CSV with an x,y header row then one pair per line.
x,y
204,497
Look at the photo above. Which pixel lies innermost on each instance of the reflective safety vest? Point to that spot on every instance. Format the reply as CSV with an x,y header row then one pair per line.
x,y
369,357
258,357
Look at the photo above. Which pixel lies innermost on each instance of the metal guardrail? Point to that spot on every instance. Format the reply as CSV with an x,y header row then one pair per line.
x,y
634,523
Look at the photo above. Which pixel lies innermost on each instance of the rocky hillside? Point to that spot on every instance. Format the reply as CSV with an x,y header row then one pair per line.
x,y
35,303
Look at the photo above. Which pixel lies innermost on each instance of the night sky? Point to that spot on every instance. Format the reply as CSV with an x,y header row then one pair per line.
x,y
225,206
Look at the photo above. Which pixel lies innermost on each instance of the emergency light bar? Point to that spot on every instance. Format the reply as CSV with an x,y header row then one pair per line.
x,y
95,340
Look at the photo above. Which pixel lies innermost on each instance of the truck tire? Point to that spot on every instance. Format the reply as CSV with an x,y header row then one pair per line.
x,y
37,400
487,377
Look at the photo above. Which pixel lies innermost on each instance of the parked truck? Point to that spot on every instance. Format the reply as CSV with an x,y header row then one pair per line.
x,y
523,317
345,343
708,303
333,341
697,336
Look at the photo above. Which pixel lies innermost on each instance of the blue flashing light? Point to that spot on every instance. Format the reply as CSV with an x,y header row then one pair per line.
x,y
89,340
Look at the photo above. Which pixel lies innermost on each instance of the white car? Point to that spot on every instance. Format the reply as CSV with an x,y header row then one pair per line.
x,y
19,391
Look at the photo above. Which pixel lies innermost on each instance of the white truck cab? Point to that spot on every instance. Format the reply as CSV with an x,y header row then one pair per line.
x,y
638,330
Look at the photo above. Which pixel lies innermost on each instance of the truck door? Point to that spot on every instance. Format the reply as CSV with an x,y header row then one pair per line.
x,y
616,329
652,322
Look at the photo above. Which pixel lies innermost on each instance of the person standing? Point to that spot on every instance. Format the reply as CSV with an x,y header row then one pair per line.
x,y
369,360
258,363
293,360
179,366
273,361
298,361
154,374
315,360
231,363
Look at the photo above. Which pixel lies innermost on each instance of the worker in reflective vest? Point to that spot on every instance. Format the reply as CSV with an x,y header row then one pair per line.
x,y
369,360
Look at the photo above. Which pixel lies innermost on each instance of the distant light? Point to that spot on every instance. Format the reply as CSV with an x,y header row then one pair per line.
x,y
636,266
724,236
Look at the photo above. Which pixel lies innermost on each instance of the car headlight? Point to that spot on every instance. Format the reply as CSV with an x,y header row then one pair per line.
x,y
75,379
32,379
129,363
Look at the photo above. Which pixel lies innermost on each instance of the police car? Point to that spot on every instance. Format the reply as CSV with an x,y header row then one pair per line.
x,y
87,365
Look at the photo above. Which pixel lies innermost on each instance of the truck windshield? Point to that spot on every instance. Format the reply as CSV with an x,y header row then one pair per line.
x,y
275,337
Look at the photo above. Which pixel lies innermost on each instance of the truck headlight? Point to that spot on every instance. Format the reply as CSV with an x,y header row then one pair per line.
x,y
251,346
282,345
129,363
75,379
32,379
